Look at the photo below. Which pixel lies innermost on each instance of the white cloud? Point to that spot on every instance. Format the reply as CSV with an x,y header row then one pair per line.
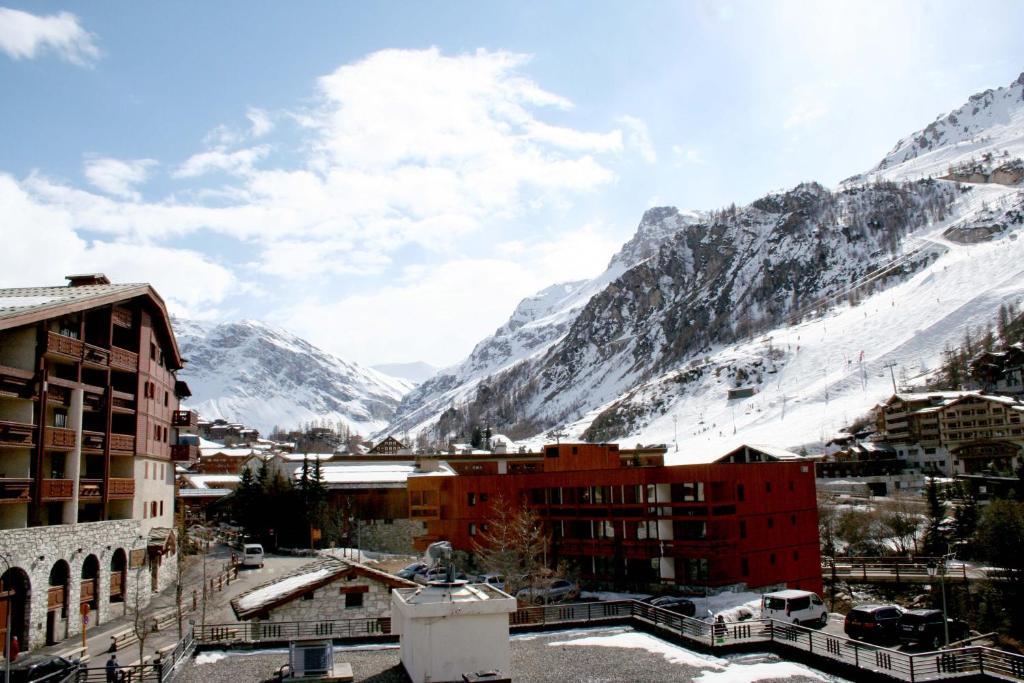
x,y
119,177
239,162
638,137
25,36
260,121
190,282
687,155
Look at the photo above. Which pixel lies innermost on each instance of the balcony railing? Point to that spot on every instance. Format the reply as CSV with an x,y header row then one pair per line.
x,y
93,441
121,317
60,396
59,438
55,596
185,418
64,346
122,401
58,489
16,434
88,591
124,359
95,355
184,452
121,488
122,442
15,490
16,383
90,489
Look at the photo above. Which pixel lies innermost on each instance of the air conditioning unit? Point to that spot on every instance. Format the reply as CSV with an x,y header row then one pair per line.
x,y
312,658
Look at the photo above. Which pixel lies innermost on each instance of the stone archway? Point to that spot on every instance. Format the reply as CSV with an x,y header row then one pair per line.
x,y
57,602
118,577
15,593
90,587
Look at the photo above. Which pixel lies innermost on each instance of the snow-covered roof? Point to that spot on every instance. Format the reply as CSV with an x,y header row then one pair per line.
x,y
203,493
206,443
775,452
299,457
307,577
229,452
203,481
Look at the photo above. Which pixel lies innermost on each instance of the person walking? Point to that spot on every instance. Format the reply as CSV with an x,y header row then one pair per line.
x,y
112,669
15,649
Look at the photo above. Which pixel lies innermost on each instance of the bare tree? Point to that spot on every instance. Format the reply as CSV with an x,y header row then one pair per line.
x,y
514,544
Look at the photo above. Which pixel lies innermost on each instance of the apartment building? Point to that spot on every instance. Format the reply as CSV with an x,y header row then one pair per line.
x,y
88,395
624,518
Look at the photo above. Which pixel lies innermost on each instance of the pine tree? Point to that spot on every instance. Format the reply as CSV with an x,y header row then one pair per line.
x,y
934,540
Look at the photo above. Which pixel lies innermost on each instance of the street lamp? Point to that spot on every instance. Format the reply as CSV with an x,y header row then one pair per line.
x,y
940,568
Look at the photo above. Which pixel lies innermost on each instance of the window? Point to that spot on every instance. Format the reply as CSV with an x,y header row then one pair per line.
x,y
744,567
145,511
353,600
771,558
146,475
791,487
767,487
167,398
483,497
309,596
796,555
60,418
472,529
792,520
743,528
771,522
152,351
471,499
739,492
162,510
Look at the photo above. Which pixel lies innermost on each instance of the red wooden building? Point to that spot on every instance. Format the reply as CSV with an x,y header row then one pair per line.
x,y
623,517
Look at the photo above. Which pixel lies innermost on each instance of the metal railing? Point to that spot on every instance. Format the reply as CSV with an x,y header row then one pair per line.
x,y
161,669
719,637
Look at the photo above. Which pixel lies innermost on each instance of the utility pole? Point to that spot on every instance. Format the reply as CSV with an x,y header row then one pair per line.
x,y
890,365
675,431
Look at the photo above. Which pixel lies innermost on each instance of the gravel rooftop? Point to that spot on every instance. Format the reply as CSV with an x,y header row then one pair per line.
x,y
595,655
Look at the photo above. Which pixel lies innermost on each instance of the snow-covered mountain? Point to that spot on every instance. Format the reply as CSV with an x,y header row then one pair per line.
x,y
263,376
802,296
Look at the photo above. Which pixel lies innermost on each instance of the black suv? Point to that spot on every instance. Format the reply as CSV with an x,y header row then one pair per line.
x,y
673,603
924,627
877,623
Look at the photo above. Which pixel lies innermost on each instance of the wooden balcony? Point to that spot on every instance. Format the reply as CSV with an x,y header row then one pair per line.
x,y
184,452
90,489
122,402
16,434
95,355
122,443
122,317
16,383
66,347
121,488
185,419
58,438
423,512
87,594
57,395
92,398
58,489
93,441
123,359
15,490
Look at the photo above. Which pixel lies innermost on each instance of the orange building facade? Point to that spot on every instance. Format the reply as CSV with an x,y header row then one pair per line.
x,y
624,518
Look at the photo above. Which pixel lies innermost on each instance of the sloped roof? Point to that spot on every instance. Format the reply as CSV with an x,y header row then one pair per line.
x,y
308,577
25,305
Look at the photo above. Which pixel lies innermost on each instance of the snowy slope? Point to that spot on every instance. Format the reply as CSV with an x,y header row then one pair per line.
x,y
263,376
416,372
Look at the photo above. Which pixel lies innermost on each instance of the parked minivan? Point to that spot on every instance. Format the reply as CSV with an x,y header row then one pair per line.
x,y
798,607
252,555
877,623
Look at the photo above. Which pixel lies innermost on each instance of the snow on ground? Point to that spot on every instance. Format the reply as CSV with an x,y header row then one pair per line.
x,y
748,673
642,641
209,657
611,595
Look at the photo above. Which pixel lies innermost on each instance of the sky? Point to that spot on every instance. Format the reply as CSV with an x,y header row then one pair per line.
x,y
388,180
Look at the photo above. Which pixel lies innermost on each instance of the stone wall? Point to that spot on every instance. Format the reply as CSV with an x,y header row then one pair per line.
x,y
394,537
36,550
328,603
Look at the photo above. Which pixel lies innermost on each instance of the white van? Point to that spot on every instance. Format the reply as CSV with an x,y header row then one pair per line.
x,y
252,555
798,607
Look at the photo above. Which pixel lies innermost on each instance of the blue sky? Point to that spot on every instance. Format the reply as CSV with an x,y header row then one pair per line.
x,y
390,179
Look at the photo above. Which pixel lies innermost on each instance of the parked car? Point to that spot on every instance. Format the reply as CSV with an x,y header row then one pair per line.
x,y
31,668
798,607
409,572
673,603
494,580
924,627
877,623
552,591
252,555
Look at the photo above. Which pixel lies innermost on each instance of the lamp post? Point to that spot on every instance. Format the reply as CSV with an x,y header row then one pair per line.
x,y
940,568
